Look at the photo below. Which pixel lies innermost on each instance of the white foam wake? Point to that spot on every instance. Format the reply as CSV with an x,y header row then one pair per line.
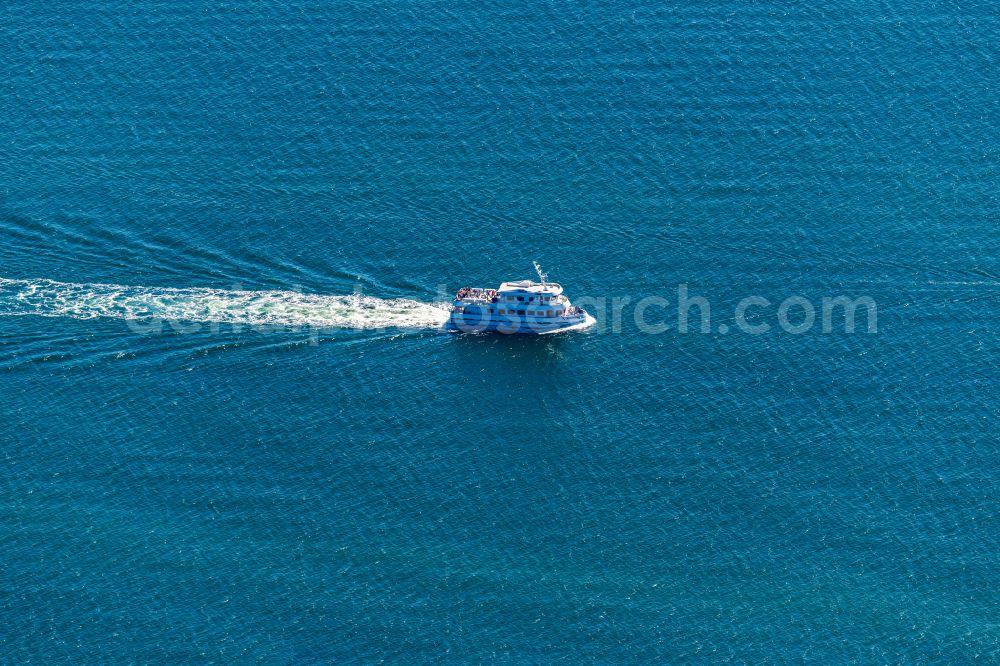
x,y
278,308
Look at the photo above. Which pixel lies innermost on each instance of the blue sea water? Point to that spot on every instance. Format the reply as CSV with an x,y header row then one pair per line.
x,y
301,468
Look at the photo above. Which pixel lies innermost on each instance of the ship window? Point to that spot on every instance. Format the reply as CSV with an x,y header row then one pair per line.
x,y
520,312
520,298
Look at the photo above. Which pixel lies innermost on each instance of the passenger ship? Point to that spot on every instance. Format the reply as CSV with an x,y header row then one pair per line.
x,y
524,307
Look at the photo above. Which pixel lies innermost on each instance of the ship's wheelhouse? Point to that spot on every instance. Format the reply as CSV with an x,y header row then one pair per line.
x,y
530,299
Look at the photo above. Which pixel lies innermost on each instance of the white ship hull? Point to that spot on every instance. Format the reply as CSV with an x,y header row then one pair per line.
x,y
466,322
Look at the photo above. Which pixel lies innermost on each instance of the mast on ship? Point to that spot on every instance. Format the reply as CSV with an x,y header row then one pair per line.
x,y
541,276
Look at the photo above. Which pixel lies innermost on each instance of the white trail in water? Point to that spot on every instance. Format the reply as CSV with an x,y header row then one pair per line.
x,y
48,298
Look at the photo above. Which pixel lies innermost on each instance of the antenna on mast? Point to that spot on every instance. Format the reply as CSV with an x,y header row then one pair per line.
x,y
538,269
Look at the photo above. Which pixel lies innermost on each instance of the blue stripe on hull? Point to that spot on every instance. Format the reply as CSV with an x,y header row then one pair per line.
x,y
475,324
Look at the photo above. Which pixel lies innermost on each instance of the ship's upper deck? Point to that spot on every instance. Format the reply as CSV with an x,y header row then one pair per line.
x,y
527,286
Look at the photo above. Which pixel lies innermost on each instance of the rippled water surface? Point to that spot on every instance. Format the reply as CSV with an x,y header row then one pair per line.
x,y
232,430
